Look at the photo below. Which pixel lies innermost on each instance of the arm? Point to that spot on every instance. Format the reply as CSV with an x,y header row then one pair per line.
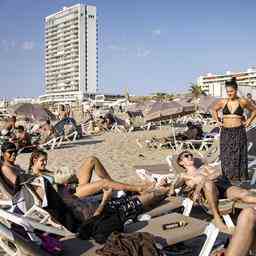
x,y
106,197
218,106
252,108
211,173
9,174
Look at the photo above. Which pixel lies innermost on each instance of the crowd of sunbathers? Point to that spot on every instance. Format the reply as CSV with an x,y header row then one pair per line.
x,y
84,199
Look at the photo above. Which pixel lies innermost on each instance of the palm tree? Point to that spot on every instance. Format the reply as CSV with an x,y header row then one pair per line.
x,y
161,96
196,90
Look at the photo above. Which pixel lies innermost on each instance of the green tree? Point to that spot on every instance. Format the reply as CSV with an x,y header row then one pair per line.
x,y
161,96
196,90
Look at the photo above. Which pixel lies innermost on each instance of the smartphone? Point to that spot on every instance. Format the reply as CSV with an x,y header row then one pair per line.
x,y
173,225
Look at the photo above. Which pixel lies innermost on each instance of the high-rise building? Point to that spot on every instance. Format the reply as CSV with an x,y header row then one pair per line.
x,y
215,84
71,54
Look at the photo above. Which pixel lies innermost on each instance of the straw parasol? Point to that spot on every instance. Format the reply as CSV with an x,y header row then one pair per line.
x,y
34,112
206,103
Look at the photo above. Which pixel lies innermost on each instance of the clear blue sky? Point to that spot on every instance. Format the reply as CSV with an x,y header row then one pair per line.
x,y
144,45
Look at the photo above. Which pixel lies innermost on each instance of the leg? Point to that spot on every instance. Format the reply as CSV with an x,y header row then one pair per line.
x,y
92,163
85,188
149,199
244,234
236,193
94,187
210,191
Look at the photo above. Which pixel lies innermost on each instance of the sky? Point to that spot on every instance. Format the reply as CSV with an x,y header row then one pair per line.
x,y
145,46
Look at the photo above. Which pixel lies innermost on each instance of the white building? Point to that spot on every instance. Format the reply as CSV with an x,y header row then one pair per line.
x,y
215,84
70,54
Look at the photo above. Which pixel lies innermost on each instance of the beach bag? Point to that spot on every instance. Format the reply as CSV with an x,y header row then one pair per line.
x,y
99,227
116,213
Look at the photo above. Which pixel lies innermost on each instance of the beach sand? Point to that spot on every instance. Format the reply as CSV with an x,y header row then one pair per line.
x,y
118,152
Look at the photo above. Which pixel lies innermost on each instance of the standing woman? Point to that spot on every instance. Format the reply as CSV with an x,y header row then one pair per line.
x,y
233,140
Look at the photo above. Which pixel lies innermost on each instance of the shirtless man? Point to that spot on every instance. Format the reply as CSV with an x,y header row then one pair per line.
x,y
214,185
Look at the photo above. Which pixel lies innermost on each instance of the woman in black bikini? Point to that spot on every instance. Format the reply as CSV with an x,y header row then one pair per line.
x,y
233,140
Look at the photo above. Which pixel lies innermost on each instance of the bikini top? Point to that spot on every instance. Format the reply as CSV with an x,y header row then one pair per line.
x,y
239,111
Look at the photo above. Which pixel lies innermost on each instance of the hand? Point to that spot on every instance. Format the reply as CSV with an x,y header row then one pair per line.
x,y
107,194
246,123
196,196
220,124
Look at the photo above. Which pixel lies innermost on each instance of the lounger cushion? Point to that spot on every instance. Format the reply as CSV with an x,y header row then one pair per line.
x,y
166,206
194,228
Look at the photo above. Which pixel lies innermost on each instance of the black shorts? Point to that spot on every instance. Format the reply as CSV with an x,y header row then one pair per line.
x,y
223,184
126,207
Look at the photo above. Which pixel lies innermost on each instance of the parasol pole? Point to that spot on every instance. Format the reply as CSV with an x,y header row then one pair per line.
x,y
173,132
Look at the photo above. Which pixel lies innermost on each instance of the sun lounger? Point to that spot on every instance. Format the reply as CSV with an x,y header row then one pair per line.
x,y
194,228
39,219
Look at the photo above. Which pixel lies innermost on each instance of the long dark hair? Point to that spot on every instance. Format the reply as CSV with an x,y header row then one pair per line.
x,y
35,155
232,83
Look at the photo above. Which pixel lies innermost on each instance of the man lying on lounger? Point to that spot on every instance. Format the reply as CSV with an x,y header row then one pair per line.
x,y
214,185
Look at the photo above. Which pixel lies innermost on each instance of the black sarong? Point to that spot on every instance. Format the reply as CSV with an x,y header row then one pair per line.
x,y
233,153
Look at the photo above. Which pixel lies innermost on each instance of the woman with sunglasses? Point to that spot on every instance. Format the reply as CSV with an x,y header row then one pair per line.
x,y
212,183
233,140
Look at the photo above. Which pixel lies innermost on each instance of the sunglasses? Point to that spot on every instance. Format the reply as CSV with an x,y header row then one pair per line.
x,y
187,155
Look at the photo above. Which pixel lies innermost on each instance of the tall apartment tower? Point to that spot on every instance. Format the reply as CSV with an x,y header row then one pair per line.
x,y
71,54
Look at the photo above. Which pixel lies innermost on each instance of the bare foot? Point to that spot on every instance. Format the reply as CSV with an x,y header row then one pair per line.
x,y
147,187
220,252
221,226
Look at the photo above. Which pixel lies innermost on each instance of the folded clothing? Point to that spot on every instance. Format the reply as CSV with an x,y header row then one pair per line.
x,y
135,244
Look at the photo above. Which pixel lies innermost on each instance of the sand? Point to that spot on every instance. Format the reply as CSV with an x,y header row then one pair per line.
x,y
118,152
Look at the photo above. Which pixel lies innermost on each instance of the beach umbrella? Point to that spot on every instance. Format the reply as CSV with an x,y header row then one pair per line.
x,y
35,112
138,109
206,103
188,107
163,110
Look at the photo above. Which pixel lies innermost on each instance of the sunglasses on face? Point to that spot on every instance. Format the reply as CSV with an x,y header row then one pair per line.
x,y
188,155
